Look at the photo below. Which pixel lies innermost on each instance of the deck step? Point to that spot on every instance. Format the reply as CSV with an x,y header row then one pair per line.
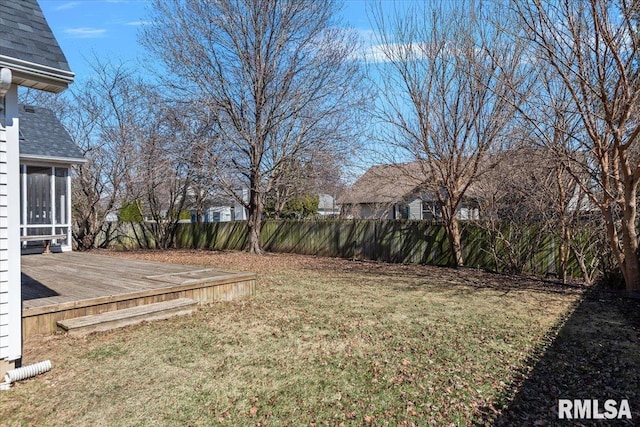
x,y
127,316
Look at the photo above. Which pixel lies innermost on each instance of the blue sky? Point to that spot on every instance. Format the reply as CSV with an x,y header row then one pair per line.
x,y
108,29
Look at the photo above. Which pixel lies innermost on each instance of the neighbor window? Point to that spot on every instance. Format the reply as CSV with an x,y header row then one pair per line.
x,y
431,210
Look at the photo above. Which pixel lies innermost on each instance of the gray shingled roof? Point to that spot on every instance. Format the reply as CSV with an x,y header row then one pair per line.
x,y
386,184
26,36
44,138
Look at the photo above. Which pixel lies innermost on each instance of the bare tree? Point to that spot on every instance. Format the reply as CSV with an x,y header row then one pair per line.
x,y
594,47
277,80
169,174
535,216
515,209
203,159
555,130
452,81
142,153
305,181
101,116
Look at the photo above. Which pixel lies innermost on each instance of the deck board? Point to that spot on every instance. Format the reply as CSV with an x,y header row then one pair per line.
x,y
71,284
127,316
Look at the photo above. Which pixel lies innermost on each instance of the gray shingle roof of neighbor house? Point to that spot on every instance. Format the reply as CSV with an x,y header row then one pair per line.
x,y
44,138
386,184
29,48
394,183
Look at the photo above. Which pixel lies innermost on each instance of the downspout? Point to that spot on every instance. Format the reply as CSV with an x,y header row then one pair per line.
x,y
5,85
5,82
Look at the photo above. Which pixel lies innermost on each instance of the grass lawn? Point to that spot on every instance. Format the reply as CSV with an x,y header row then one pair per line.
x,y
337,342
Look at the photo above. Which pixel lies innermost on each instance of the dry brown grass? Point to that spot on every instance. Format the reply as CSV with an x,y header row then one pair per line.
x,y
324,342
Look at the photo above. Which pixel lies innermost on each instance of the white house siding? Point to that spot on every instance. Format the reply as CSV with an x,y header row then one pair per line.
x,y
468,214
4,258
415,209
10,292
240,213
218,214
327,205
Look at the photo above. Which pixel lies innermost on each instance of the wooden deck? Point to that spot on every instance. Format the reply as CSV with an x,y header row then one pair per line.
x,y
68,285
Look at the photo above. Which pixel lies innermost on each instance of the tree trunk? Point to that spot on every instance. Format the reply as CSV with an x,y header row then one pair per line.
x,y
453,231
631,265
587,274
564,249
254,236
631,271
565,231
624,252
255,222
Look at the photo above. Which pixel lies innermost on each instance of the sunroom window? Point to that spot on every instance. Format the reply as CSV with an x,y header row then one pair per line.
x,y
44,203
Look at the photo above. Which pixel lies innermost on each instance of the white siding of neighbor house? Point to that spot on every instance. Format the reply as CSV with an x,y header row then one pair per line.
x,y
218,214
415,209
10,292
373,211
240,213
327,205
468,214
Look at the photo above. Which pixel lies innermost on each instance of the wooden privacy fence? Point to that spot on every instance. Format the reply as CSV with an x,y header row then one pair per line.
x,y
390,241
402,241
413,242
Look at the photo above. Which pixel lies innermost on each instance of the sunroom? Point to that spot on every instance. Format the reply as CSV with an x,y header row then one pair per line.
x,y
47,154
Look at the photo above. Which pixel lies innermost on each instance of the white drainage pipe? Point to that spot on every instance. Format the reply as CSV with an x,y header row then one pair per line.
x,y
28,371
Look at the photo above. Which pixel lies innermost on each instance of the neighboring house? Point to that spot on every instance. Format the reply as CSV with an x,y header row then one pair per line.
x,y
216,214
219,214
397,191
327,206
47,153
224,209
29,56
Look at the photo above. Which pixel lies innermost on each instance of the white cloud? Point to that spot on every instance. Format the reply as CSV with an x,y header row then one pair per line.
x,y
67,5
373,51
366,35
396,52
86,32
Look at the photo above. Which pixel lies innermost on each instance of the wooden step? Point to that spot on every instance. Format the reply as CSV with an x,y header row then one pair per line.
x,y
128,316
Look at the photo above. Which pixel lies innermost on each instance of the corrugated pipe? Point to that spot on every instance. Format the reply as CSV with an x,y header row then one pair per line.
x,y
25,372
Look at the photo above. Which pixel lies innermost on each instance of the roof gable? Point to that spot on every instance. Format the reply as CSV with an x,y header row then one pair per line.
x,y
29,48
43,137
